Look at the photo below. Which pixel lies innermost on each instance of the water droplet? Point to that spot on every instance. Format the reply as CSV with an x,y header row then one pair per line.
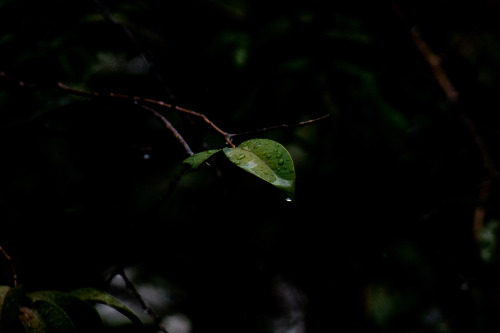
x,y
279,154
289,199
241,157
146,156
281,161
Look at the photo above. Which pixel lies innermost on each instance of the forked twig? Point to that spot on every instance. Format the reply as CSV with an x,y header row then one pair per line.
x,y
145,100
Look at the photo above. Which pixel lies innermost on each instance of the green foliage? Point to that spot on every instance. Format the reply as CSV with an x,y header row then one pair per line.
x,y
264,158
52,311
199,158
397,163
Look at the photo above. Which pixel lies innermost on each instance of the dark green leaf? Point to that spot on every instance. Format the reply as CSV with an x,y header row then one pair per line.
x,y
9,317
197,159
45,317
3,293
83,315
267,160
94,296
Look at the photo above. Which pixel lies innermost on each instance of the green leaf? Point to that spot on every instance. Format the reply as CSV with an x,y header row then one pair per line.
x,y
9,317
3,293
83,315
267,160
197,159
94,296
45,317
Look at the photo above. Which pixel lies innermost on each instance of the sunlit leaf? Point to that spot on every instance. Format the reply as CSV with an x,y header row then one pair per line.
x,y
267,160
197,159
94,296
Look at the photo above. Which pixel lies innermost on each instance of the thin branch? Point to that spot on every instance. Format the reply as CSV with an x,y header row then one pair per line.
x,y
169,126
227,136
435,63
137,100
272,128
12,267
144,100
130,286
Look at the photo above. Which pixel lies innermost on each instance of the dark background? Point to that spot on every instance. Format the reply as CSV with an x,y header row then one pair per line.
x,y
385,233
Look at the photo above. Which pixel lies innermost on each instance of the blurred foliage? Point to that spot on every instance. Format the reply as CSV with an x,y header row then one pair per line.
x,y
381,236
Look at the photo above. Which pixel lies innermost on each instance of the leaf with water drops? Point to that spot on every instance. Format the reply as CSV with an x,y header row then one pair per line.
x,y
197,159
267,160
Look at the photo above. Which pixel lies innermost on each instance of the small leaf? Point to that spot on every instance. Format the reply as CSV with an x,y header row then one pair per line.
x,y
94,296
197,159
267,160
9,317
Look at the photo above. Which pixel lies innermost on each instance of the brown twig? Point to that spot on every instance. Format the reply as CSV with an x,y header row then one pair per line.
x,y
138,99
130,286
169,126
271,128
227,136
435,64
144,101
12,267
